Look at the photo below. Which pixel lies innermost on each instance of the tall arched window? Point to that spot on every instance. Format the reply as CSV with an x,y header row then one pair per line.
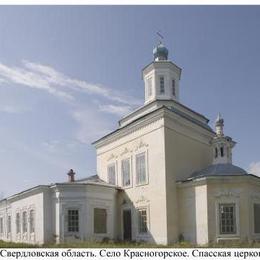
x,y
216,152
149,87
161,85
222,151
173,88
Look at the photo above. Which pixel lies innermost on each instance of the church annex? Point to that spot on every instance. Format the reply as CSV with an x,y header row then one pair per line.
x,y
162,175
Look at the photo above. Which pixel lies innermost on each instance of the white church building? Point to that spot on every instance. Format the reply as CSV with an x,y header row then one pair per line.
x,y
162,175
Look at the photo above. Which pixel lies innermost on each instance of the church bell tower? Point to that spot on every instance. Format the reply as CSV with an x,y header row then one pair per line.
x,y
161,77
222,145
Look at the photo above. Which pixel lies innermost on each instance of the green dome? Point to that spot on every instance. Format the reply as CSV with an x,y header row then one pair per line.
x,y
160,52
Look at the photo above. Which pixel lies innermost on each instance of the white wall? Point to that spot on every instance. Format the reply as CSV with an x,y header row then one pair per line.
x,y
83,198
26,202
193,212
151,195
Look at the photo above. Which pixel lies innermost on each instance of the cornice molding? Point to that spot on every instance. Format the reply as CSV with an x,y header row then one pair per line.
x,y
150,119
227,193
112,157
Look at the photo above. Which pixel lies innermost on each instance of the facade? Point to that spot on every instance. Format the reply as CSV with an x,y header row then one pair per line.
x,y
162,176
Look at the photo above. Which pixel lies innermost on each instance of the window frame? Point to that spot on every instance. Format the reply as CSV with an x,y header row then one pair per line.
x,y
68,226
18,223
255,200
94,221
216,152
222,153
149,87
173,87
161,84
143,207
145,153
113,164
32,221
9,224
1,225
227,198
129,159
24,222
234,225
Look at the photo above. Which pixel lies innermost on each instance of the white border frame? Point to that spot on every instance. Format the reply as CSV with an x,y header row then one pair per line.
x,y
254,201
145,151
227,200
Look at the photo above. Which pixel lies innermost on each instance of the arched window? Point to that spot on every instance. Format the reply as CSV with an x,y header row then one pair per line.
x,y
32,221
149,87
222,151
161,85
216,152
173,88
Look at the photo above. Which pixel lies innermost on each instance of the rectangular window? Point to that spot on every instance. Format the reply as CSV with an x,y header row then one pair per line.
x,y
32,221
161,85
9,224
111,174
140,169
149,87
25,226
73,220
125,168
257,218
100,221
173,88
227,218
1,225
142,221
18,223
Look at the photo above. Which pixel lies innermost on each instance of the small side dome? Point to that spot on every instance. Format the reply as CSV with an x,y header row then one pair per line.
x,y
160,52
221,169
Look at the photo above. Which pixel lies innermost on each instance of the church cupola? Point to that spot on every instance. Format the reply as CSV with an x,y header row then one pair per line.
x,y
160,52
161,77
222,145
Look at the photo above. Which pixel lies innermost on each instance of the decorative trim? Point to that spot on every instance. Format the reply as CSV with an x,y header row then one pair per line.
x,y
227,194
142,198
125,151
112,157
141,145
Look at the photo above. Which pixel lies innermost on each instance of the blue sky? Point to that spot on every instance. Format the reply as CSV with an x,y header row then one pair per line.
x,y
67,74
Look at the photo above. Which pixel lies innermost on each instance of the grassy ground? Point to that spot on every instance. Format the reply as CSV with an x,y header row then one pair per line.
x,y
86,244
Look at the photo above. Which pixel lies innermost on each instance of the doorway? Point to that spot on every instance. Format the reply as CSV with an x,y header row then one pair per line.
x,y
127,225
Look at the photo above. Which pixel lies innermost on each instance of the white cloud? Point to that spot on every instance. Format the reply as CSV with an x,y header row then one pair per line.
x,y
2,81
254,168
12,109
90,117
59,79
115,109
35,75
30,79
60,146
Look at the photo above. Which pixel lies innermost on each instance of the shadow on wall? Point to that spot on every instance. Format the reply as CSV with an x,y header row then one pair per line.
x,y
133,223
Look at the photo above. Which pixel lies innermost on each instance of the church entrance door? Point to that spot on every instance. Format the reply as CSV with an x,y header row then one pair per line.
x,y
127,223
